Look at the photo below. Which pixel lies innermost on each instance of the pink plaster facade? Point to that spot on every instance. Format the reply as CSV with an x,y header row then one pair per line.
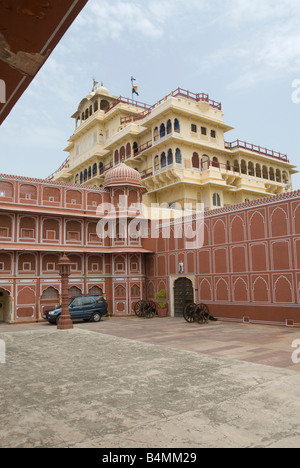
x,y
247,270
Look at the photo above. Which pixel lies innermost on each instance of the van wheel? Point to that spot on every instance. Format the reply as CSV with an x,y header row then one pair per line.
x,y
96,317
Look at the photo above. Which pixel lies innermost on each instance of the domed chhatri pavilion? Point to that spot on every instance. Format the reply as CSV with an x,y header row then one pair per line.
x,y
123,175
173,152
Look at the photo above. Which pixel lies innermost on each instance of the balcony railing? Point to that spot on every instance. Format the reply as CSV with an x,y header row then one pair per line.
x,y
65,165
142,148
256,149
129,102
239,171
179,92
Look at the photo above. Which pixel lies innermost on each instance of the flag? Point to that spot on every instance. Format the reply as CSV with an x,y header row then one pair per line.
x,y
134,88
95,83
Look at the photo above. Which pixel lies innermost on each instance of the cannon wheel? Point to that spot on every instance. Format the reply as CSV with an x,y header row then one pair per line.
x,y
189,313
139,309
150,310
206,311
202,313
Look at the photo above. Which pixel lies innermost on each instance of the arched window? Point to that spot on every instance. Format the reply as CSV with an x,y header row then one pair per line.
x,y
178,156
135,148
50,293
205,162
278,175
101,168
155,134
156,163
91,110
169,127
170,157
95,167
228,166
236,166
104,105
120,291
117,159
81,177
196,161
258,170
95,291
251,169
128,150
216,200
162,131
176,126
285,178
265,172
90,172
215,162
122,153
135,291
85,175
82,116
272,174
76,179
163,160
74,292
96,106
86,114
243,167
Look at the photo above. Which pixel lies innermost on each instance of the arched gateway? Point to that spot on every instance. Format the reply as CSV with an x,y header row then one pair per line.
x,y
183,295
5,306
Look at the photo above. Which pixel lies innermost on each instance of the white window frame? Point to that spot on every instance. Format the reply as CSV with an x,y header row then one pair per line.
x,y
50,269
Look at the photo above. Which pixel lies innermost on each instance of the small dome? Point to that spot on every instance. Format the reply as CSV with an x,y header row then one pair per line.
x,y
102,90
123,175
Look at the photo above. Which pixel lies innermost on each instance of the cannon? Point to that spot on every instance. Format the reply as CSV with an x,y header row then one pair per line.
x,y
145,309
197,313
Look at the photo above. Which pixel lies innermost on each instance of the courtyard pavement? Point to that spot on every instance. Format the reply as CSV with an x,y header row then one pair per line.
x,y
160,383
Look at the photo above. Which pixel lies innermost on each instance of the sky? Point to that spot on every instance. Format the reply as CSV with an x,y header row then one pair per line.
x,y
243,53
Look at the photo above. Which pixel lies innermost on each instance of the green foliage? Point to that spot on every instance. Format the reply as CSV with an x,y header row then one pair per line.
x,y
161,295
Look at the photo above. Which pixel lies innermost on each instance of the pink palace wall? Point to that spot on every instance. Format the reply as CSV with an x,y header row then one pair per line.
x,y
249,266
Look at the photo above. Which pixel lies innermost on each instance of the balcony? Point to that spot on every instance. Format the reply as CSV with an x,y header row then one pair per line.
x,y
65,165
238,144
178,93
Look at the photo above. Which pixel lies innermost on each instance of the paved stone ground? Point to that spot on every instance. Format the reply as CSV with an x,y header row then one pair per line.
x,y
88,388
260,344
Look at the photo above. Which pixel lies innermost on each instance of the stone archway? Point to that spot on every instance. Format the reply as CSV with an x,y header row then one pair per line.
x,y
5,306
183,295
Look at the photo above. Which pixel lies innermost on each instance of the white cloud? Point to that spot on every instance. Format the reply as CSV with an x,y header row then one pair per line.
x,y
120,19
262,43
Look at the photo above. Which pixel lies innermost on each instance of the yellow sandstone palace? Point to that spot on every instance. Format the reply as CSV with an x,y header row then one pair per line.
x,y
178,146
